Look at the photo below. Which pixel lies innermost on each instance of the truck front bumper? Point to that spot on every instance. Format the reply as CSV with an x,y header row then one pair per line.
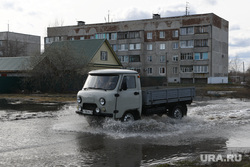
x,y
81,111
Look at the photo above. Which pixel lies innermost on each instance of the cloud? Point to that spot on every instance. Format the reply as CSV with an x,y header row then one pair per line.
x,y
136,14
211,2
234,27
8,5
240,42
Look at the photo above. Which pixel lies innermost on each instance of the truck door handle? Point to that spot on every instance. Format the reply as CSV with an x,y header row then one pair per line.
x,y
136,93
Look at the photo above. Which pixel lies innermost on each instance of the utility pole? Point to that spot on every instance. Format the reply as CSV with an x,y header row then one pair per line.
x,y
167,68
7,48
243,72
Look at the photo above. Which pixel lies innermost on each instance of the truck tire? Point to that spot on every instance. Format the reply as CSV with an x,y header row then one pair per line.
x,y
128,117
177,112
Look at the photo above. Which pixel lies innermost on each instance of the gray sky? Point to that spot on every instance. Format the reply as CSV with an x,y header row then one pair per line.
x,y
34,16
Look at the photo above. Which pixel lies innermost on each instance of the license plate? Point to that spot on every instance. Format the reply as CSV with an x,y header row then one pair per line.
x,y
88,112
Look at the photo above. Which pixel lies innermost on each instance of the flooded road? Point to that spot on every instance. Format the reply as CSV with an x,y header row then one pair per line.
x,y
52,135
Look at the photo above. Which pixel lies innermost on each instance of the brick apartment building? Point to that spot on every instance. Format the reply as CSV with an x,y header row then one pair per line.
x,y
182,49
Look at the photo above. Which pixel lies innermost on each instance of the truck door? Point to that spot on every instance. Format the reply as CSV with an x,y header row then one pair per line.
x,y
129,98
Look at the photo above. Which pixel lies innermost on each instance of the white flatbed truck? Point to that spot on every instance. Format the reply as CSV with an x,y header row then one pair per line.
x,y
117,93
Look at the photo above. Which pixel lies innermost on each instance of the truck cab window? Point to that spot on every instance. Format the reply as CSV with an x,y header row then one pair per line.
x,y
130,82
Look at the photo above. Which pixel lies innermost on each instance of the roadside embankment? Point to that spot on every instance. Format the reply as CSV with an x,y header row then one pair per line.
x,y
40,98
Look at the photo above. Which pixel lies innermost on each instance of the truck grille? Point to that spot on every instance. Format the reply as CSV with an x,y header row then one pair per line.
x,y
89,106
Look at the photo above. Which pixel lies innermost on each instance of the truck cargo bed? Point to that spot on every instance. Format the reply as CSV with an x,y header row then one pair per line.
x,y
156,95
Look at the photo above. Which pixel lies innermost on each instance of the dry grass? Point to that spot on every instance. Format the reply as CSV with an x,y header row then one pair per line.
x,y
40,97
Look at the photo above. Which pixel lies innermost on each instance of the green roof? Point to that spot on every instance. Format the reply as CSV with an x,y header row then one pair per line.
x,y
10,64
80,51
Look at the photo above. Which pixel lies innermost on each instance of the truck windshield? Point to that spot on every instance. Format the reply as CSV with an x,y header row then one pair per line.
x,y
105,82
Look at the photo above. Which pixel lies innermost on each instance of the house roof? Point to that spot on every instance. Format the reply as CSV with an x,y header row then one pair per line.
x,y
82,51
13,64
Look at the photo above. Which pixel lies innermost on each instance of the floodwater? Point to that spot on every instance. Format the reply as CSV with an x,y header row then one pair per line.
x,y
53,135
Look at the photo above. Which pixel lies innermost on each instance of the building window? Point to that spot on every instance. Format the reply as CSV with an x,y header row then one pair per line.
x,y
1,53
134,34
49,40
201,29
1,43
123,47
175,58
187,44
186,69
175,70
175,34
136,46
135,69
201,42
187,30
200,69
150,70
163,59
149,35
101,36
186,56
201,56
104,56
131,46
82,38
149,47
114,47
162,70
175,45
162,46
122,35
113,36
134,58
162,34
149,58
123,59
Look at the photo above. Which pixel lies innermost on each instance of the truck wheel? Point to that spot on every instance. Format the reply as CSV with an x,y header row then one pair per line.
x,y
128,117
177,112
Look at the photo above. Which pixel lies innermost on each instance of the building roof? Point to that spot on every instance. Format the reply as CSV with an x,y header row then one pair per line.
x,y
24,63
113,71
81,52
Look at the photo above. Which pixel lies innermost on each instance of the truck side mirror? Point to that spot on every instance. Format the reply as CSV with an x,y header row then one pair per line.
x,y
124,84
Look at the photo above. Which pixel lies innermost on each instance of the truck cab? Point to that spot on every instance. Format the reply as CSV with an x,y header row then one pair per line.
x,y
112,93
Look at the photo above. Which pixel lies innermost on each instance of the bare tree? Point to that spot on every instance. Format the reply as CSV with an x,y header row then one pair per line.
x,y
14,48
59,70
235,65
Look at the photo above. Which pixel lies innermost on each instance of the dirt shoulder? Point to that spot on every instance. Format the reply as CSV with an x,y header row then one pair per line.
x,y
40,98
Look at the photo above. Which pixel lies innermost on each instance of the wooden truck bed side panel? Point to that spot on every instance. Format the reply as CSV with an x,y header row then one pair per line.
x,y
167,95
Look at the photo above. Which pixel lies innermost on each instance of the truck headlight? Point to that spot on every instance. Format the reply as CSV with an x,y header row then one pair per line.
x,y
79,99
97,110
102,101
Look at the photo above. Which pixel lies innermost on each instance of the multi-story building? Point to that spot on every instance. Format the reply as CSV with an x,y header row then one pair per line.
x,y
15,44
185,49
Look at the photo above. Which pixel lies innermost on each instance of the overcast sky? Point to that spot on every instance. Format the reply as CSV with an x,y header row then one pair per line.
x,y
34,16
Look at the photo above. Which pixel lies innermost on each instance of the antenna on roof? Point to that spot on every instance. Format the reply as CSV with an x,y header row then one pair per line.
x,y
187,8
8,26
107,20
